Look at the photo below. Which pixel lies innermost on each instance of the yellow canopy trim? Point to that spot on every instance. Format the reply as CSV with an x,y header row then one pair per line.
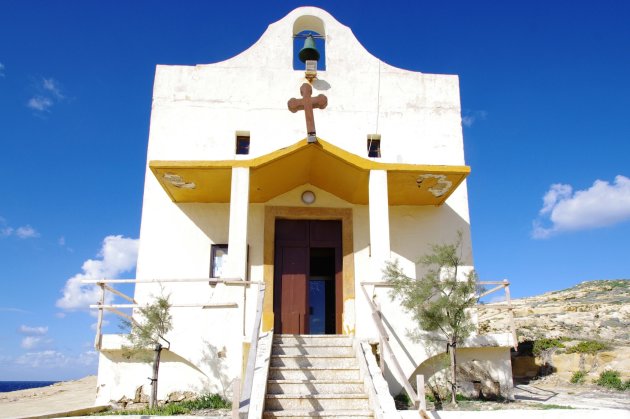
x,y
321,164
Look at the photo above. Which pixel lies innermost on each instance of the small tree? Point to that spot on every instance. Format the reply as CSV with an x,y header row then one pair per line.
x,y
155,321
439,301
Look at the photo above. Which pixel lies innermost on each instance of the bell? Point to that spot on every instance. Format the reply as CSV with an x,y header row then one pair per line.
x,y
309,51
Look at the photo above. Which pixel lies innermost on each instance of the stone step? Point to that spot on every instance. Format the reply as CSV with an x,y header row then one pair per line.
x,y
307,361
326,340
305,414
286,349
314,386
317,402
313,373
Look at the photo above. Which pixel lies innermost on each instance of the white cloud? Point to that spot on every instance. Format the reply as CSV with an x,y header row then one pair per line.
x,y
26,232
44,359
2,70
601,205
88,358
5,230
52,86
49,93
557,192
470,117
30,342
117,255
34,336
33,331
13,310
40,103
62,241
51,359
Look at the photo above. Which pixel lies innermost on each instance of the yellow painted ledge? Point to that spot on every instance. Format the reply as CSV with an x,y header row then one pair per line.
x,y
322,164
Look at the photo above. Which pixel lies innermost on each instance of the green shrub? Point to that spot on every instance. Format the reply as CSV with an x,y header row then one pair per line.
x,y
546,343
578,377
588,347
402,401
554,406
611,379
209,401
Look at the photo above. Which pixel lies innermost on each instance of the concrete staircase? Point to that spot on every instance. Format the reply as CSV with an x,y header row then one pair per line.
x,y
315,376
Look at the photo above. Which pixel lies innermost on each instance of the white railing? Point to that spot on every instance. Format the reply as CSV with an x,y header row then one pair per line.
x,y
244,401
114,308
386,350
505,285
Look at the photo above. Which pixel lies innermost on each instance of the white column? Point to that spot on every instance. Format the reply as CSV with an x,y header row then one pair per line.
x,y
237,239
379,222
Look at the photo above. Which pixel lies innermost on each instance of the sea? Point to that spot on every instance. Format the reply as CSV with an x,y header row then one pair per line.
x,y
6,386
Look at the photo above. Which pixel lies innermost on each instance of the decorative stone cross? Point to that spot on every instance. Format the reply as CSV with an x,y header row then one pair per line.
x,y
306,104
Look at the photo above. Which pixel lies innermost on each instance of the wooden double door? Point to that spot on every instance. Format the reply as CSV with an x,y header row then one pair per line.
x,y
308,277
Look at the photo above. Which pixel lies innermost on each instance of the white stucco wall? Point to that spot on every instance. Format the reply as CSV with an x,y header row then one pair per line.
x,y
196,113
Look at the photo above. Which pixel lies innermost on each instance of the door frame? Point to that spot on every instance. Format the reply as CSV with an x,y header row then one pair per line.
x,y
347,258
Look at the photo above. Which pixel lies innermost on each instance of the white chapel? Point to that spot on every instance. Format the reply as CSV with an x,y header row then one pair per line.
x,y
275,192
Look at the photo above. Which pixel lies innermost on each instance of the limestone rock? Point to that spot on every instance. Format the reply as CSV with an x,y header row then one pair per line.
x,y
180,396
592,310
140,396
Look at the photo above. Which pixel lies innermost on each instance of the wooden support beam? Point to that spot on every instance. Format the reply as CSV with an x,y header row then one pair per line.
x,y
121,314
199,305
98,340
422,400
496,306
497,288
118,293
212,281
248,380
508,299
236,397
375,315
387,349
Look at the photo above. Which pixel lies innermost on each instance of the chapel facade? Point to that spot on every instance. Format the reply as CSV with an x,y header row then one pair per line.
x,y
239,187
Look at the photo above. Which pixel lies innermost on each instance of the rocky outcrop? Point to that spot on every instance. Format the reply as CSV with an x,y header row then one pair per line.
x,y
590,311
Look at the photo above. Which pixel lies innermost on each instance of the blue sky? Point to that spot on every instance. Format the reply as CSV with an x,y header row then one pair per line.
x,y
545,97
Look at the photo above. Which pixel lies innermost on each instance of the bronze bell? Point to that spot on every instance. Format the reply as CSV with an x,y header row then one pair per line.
x,y
309,51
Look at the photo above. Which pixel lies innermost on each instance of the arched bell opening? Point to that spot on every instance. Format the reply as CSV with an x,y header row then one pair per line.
x,y
309,42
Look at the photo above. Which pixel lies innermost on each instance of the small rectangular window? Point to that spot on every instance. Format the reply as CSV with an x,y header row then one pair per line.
x,y
242,144
374,145
218,258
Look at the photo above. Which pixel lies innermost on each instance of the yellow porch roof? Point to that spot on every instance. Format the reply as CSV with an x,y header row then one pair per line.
x,y
321,164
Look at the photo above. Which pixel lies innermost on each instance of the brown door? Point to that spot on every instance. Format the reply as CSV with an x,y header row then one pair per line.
x,y
307,277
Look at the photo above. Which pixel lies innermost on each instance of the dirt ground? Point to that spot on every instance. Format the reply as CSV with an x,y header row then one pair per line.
x,y
588,396
75,396
64,397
